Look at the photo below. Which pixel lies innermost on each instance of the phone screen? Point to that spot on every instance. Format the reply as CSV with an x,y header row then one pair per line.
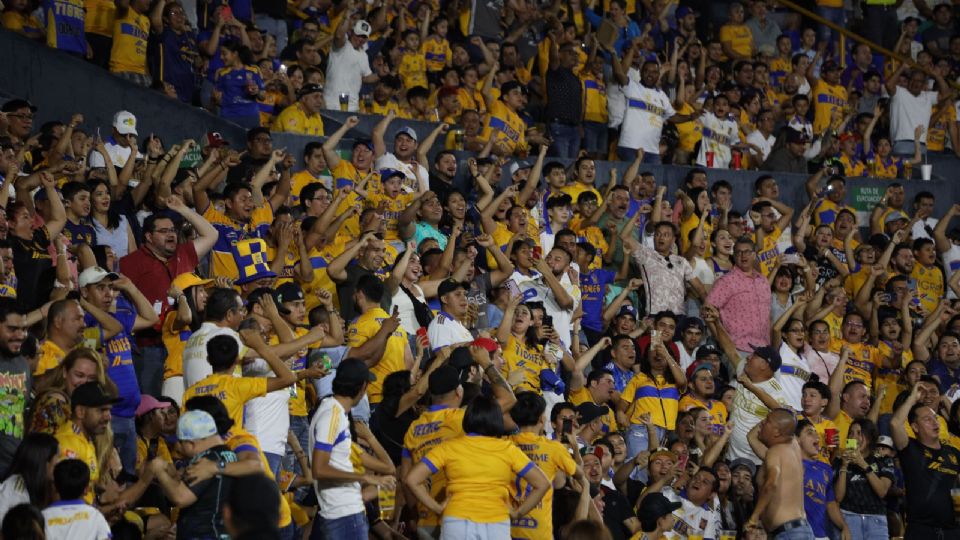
x,y
851,444
567,426
512,286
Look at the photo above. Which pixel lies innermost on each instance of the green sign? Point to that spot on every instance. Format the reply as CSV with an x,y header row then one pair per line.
x,y
192,159
863,199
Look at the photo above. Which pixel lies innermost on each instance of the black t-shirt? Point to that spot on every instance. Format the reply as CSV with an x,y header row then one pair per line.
x,y
346,288
616,510
929,475
204,518
34,268
860,497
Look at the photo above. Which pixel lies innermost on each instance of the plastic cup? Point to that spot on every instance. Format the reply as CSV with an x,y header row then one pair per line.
x,y
926,171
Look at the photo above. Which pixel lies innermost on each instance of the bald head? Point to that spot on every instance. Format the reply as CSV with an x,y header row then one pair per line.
x,y
783,420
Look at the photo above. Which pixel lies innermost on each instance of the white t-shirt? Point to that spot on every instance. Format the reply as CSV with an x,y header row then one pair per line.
x,y
691,518
919,229
718,136
75,519
195,364
765,144
118,155
445,330
346,69
616,101
12,492
747,412
951,264
410,185
646,111
268,417
408,317
330,432
792,385
908,111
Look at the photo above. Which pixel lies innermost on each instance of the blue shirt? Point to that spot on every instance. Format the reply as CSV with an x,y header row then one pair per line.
x,y
947,376
65,20
232,83
593,287
80,233
817,492
174,61
119,358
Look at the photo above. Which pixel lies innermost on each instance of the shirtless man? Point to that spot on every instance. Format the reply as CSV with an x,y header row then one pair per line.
x,y
780,505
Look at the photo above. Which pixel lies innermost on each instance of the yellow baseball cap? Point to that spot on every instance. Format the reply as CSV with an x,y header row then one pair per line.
x,y
189,279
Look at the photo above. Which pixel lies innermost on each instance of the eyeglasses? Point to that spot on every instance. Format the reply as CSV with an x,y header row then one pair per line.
x,y
169,230
22,116
744,252
820,332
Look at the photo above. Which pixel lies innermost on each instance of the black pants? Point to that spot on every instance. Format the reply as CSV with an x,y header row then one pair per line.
x,y
100,45
881,25
916,531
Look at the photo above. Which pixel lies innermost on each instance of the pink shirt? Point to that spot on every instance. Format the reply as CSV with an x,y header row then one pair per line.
x,y
744,303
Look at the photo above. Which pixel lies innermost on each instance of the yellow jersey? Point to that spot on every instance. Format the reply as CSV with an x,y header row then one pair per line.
x,y
413,69
321,280
234,392
231,232
889,375
437,424
930,285
99,17
822,426
392,208
294,119
854,167
437,53
862,362
716,408
690,224
655,396
552,457
50,357
827,98
480,472
365,327
842,421
345,174
769,253
129,51
594,99
304,178
779,69
385,109
505,126
937,134
690,134
27,25
297,405
147,450
739,37
74,444
174,342
583,396
518,356
240,440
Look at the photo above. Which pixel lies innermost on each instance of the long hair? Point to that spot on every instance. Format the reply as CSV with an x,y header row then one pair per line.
x,y
484,417
55,380
30,461
113,216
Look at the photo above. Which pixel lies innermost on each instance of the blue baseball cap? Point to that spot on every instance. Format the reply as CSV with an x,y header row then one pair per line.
x,y
195,425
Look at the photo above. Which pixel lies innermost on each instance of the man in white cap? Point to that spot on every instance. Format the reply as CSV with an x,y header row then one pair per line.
x,y
404,155
121,143
348,66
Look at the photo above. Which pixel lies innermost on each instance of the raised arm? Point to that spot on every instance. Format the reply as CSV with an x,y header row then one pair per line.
x,y
330,145
379,131
898,423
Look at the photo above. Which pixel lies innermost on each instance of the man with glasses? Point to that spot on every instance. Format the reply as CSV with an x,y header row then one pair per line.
x,y
348,67
743,298
18,114
152,269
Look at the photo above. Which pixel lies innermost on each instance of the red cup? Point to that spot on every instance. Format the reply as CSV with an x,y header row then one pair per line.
x,y
832,437
709,159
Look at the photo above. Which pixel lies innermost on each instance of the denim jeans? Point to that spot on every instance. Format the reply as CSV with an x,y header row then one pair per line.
x,y
458,529
638,440
801,533
630,154
149,367
125,440
274,460
566,140
595,138
275,27
865,526
352,527
905,149
300,427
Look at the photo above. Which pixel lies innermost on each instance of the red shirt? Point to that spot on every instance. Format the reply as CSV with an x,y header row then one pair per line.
x,y
153,276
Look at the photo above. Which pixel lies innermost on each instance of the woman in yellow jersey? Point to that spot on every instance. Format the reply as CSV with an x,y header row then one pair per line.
x,y
52,406
696,207
523,357
480,469
655,390
190,299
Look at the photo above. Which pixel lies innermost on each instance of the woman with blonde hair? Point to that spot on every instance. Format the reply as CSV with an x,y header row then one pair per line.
x,y
52,408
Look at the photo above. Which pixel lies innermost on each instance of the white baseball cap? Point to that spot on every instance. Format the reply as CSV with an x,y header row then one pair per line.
x,y
125,123
94,275
361,28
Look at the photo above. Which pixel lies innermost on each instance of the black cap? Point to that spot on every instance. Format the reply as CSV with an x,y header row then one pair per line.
x,y
745,463
705,350
17,104
795,136
289,292
254,297
450,285
353,371
362,142
591,411
690,322
443,380
309,89
653,507
92,394
770,355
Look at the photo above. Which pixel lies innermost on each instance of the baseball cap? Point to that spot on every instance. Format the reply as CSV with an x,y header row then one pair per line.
x,y
847,135
591,411
520,165
706,350
216,140
353,371
653,507
92,394
896,215
125,123
17,104
690,322
195,425
449,285
361,28
769,354
744,462
149,403
795,136
443,380
94,275
885,440
254,297
486,343
408,131
310,89
683,11
663,452
627,310
289,292
830,65
461,360
386,174
693,368
362,142
188,279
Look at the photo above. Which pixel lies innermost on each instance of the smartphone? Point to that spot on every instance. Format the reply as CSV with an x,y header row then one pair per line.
x,y
226,13
283,69
851,444
682,462
547,321
537,252
512,287
567,426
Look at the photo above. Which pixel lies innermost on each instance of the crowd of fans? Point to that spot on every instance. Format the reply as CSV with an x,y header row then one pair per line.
x,y
202,341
